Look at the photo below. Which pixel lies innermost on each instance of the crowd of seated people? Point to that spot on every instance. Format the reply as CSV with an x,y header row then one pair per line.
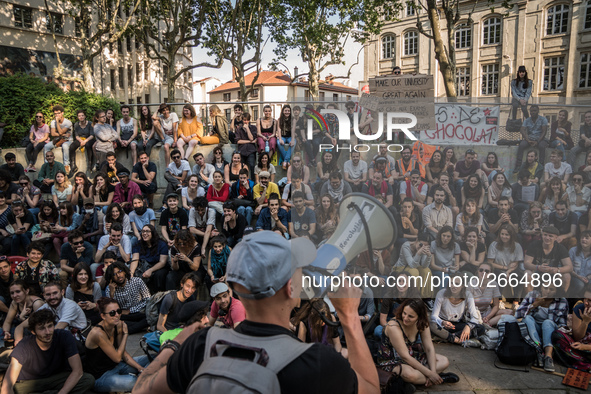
x,y
90,249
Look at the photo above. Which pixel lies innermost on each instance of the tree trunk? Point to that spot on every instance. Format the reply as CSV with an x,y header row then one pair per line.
x,y
88,82
170,81
445,66
313,80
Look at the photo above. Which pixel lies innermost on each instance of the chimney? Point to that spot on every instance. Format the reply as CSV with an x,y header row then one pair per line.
x,y
295,72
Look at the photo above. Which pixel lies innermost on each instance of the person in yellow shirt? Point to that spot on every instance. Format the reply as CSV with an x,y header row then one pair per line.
x,y
189,132
262,190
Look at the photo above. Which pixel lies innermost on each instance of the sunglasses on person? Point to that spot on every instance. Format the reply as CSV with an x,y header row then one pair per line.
x,y
115,312
39,117
78,242
23,184
396,72
176,157
484,270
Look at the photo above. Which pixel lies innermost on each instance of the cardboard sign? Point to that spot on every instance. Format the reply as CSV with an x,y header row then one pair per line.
x,y
576,378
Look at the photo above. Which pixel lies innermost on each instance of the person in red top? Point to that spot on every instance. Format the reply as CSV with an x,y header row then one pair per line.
x,y
218,193
225,307
125,190
415,189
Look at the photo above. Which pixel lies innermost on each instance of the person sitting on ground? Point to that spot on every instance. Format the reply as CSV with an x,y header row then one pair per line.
x,y
172,219
234,224
191,192
557,167
189,131
532,222
106,358
73,252
301,219
415,189
116,242
297,167
61,133
445,253
202,222
6,278
491,167
85,291
469,217
500,187
455,317
578,194
323,169
505,255
102,192
409,222
203,169
185,258
575,351
263,190
227,309
552,192
114,215
39,361
273,217
465,168
487,296
435,167
579,255
176,173
473,189
131,293
442,180
140,216
232,169
150,254
415,259
22,221
355,171
472,252
36,271
241,194
16,170
519,189
111,167
125,190
69,315
217,259
407,343
21,307
566,223
61,191
504,214
173,302
144,174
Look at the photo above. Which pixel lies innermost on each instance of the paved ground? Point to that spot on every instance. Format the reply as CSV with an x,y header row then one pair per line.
x,y
476,370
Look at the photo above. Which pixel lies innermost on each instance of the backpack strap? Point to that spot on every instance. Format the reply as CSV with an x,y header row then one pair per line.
x,y
273,352
527,338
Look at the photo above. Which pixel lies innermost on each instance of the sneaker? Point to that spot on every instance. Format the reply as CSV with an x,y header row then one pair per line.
x,y
548,364
32,169
539,362
472,343
449,377
72,172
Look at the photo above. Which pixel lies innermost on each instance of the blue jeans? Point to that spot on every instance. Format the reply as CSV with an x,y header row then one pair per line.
x,y
120,378
560,146
18,240
65,151
285,153
247,212
535,329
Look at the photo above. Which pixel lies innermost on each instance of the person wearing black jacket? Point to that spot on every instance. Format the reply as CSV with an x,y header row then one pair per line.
x,y
246,143
242,196
234,224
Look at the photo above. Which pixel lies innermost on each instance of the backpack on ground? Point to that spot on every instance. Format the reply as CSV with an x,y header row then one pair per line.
x,y
515,346
153,306
228,366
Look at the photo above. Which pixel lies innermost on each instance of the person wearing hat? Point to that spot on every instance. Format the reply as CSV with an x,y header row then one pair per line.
x,y
228,309
549,256
90,222
261,275
414,188
172,219
262,190
125,190
191,312
386,167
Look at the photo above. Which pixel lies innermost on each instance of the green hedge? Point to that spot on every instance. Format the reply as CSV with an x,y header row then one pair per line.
x,y
21,96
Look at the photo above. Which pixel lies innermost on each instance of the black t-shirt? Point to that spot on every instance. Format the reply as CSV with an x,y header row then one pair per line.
x,y
39,364
112,175
15,173
238,231
553,259
480,248
174,221
563,225
172,314
29,218
137,169
494,216
320,369
417,223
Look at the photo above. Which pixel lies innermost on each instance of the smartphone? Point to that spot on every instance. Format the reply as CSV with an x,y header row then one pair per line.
x,y
421,245
52,224
21,229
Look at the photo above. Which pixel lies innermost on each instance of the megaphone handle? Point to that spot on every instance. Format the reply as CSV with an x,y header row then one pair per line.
x,y
367,234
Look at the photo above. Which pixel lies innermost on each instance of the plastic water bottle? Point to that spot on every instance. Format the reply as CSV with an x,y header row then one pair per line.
x,y
267,146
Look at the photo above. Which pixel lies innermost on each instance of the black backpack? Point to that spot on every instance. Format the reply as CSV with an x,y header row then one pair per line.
x,y
515,346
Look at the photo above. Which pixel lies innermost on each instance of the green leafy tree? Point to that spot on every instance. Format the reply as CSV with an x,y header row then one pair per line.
x,y
321,30
234,32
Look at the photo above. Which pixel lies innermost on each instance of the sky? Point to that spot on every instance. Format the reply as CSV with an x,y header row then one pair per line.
x,y
293,59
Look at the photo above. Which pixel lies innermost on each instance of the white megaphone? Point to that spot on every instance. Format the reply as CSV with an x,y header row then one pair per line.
x,y
365,223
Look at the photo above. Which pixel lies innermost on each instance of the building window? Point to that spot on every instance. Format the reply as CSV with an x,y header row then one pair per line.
x,y
463,36
388,46
54,22
139,99
227,96
147,98
121,78
113,79
553,73
410,9
463,81
255,113
138,72
585,74
146,70
130,101
321,96
587,16
120,47
411,43
128,41
78,28
307,95
557,20
137,42
491,31
228,112
23,17
348,98
254,93
335,97
129,76
490,79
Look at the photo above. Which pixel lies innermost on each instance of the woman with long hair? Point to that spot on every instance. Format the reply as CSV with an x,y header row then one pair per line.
x,y
189,132
473,252
107,360
454,317
326,166
62,189
191,191
487,296
67,221
410,221
449,156
149,135
473,189
232,170
38,137
327,216
533,220
498,188
491,166
151,249
185,257
218,161
521,89
82,189
116,214
217,259
267,132
102,192
469,217
218,192
533,166
551,194
285,139
407,344
264,164
220,130
560,133
445,253
20,308
436,166
297,166
310,328
505,255
85,291
110,118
